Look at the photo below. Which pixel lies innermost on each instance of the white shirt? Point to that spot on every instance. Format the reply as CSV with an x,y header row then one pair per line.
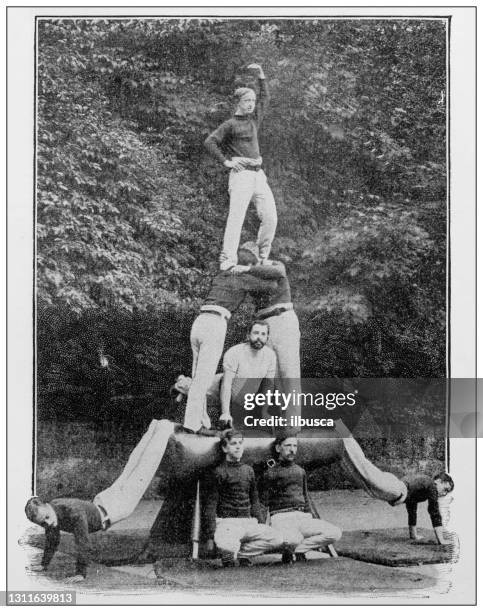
x,y
250,366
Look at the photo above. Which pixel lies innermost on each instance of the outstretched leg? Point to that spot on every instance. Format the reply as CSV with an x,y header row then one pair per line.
x,y
374,481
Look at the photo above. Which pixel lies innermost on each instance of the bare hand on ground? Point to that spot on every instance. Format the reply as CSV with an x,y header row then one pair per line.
x,y
37,567
74,579
423,541
446,543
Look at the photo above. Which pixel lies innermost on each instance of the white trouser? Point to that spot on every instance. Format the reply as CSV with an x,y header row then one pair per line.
x,y
379,484
122,497
245,536
243,187
207,340
304,531
284,339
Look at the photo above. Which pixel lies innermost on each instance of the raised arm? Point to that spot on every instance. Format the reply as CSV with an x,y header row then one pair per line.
x,y
263,97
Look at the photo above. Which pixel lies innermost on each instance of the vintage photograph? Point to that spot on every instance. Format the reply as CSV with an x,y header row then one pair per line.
x,y
241,309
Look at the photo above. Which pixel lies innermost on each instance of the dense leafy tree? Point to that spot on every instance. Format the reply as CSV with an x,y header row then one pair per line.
x,y
130,209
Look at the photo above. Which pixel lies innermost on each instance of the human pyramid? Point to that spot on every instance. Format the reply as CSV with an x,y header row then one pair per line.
x,y
273,346
241,518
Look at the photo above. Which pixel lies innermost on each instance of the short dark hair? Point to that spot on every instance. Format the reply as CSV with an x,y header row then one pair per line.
x,y
32,508
280,439
259,322
246,257
229,434
444,477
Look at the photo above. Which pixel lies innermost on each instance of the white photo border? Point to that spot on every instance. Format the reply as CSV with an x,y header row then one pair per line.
x,y
20,228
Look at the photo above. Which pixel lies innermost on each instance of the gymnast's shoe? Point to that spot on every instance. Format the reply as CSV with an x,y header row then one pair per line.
x,y
228,559
287,557
146,556
399,500
244,562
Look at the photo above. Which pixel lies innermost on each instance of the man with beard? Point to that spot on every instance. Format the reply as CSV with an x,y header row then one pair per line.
x,y
284,493
275,307
245,367
228,291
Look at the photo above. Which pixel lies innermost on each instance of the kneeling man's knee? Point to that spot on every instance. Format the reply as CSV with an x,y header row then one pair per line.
x,y
335,533
292,538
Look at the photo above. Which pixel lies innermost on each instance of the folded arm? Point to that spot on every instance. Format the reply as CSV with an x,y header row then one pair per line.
x,y
272,271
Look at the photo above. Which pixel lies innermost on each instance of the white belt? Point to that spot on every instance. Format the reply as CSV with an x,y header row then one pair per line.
x,y
221,310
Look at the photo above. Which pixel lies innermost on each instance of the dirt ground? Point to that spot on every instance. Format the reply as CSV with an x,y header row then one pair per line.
x,y
351,510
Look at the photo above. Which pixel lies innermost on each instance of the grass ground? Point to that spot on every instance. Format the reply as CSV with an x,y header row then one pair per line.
x,y
352,510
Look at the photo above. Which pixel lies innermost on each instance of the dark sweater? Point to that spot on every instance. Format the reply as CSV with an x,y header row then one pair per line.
x,y
231,492
284,487
78,517
238,137
420,489
229,290
279,293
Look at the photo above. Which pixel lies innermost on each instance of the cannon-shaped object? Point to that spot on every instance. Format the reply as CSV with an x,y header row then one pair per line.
x,y
189,455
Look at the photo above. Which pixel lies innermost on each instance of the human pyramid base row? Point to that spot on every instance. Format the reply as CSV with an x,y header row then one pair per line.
x,y
241,518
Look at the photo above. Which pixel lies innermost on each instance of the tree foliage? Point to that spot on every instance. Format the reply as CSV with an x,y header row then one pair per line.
x,y
130,210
